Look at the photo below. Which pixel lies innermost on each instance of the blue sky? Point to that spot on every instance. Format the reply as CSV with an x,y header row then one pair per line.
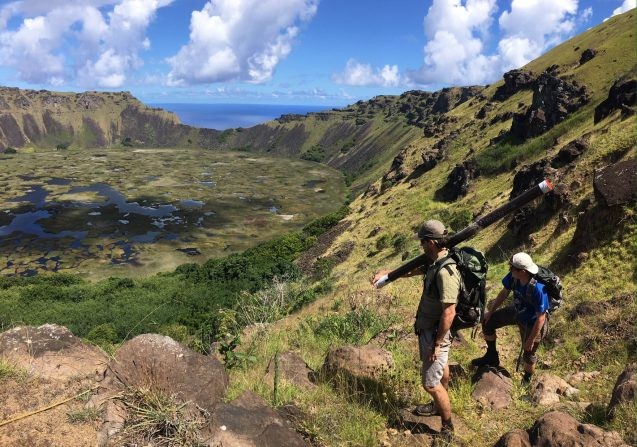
x,y
331,52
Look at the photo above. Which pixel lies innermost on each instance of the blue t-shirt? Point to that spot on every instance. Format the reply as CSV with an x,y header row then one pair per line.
x,y
527,307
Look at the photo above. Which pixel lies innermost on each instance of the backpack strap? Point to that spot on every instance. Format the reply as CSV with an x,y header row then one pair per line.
x,y
445,263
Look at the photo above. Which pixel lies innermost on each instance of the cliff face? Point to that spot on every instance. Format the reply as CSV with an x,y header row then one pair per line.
x,y
90,119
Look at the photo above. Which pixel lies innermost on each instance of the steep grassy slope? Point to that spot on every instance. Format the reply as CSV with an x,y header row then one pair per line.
x,y
593,253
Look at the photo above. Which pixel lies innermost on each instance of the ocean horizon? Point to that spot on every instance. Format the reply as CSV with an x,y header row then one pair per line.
x,y
230,116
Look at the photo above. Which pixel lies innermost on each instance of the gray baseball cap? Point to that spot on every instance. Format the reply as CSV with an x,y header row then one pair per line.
x,y
432,229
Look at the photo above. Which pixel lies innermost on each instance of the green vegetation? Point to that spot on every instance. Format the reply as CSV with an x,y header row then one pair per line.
x,y
315,153
260,285
158,418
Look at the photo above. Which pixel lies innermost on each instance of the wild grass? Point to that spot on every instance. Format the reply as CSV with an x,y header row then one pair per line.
x,y
158,418
83,415
10,371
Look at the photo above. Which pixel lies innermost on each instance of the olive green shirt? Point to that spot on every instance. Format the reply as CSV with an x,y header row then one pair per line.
x,y
445,290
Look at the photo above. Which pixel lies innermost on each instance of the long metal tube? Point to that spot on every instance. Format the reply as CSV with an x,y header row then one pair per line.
x,y
472,229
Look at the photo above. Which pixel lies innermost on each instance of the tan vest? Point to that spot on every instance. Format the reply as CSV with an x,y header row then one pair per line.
x,y
445,290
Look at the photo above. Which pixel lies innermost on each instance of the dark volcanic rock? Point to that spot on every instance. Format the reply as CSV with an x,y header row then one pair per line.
x,y
587,55
622,96
514,438
615,184
624,390
553,100
396,173
458,181
514,81
569,153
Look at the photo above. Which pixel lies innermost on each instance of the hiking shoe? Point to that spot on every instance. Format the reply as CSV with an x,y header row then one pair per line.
x,y
526,379
428,409
488,359
444,438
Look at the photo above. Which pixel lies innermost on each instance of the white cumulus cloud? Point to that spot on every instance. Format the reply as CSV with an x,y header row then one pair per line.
x,y
358,74
458,32
93,42
626,6
239,40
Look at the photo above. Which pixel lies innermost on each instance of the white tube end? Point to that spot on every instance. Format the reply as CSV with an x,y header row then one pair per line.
x,y
545,186
381,282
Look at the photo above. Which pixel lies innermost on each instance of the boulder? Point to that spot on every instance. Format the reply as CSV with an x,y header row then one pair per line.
x,y
587,55
357,361
514,81
514,438
396,173
621,96
459,181
51,351
624,390
559,429
292,368
569,153
158,363
553,100
493,388
249,421
546,389
616,184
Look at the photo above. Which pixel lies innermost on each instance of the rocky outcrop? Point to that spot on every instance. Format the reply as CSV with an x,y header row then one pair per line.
x,y
569,153
621,96
616,184
397,172
248,421
458,181
559,429
547,389
493,388
553,100
292,368
52,352
587,55
159,364
359,370
604,219
514,81
624,389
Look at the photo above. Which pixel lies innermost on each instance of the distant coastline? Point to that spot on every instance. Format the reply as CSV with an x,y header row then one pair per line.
x,y
228,116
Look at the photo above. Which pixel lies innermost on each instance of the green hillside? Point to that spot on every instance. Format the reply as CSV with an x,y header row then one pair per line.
x,y
452,155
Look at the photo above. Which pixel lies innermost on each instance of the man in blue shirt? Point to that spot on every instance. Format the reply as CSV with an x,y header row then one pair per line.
x,y
528,311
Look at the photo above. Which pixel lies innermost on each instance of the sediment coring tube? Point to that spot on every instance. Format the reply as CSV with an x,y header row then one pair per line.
x,y
471,230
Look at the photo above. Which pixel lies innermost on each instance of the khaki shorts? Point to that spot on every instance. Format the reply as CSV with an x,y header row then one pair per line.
x,y
432,371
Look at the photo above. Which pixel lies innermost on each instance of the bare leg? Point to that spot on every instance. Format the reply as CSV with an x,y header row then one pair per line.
x,y
441,400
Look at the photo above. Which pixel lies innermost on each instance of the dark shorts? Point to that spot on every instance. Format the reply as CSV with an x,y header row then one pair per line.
x,y
507,316
432,372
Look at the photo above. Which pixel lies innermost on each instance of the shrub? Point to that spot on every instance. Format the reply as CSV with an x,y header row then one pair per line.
x,y
383,242
103,334
10,150
351,327
315,153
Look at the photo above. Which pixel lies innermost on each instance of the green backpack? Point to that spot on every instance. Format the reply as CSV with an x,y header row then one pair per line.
x,y
473,267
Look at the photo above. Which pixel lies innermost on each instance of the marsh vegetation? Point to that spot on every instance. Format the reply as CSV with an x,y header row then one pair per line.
x,y
138,212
